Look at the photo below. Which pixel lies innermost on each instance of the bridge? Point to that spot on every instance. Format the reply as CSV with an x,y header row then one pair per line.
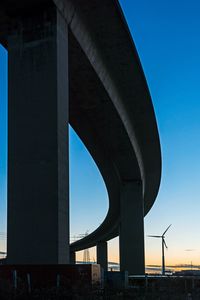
x,y
74,62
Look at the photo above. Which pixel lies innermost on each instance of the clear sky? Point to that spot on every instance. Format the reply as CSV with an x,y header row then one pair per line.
x,y
167,38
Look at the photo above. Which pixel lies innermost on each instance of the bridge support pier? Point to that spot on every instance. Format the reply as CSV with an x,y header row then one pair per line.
x,y
102,255
38,196
72,257
131,237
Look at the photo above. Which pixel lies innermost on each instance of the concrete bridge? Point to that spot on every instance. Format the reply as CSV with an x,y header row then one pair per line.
x,y
74,61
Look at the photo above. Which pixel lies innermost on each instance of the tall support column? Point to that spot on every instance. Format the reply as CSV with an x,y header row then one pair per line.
x,y
38,191
132,229
72,257
102,255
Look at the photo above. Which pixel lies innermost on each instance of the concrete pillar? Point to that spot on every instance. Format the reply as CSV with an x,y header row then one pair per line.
x,y
38,191
131,238
72,257
102,255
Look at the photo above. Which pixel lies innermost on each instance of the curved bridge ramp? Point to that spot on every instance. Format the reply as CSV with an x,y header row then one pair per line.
x,y
76,63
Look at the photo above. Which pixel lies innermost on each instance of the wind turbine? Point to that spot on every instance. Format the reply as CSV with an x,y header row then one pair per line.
x,y
164,245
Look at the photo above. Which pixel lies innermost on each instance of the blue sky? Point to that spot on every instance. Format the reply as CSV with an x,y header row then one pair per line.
x,y
167,38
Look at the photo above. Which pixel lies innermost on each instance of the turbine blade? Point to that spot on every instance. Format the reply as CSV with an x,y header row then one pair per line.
x,y
165,244
167,229
156,236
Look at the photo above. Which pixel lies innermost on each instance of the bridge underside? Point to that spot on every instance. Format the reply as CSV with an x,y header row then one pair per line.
x,y
68,64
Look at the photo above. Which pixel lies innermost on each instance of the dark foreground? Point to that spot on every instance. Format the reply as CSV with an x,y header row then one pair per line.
x,y
84,282
79,291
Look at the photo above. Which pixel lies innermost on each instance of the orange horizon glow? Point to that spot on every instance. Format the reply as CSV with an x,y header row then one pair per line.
x,y
174,257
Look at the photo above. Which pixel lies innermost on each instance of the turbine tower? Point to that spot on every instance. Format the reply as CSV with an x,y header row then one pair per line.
x,y
164,245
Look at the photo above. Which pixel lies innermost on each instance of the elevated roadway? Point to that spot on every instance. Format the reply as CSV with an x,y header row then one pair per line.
x,y
101,87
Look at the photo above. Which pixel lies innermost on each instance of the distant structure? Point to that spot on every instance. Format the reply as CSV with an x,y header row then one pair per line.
x,y
187,273
74,62
164,245
86,252
86,256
